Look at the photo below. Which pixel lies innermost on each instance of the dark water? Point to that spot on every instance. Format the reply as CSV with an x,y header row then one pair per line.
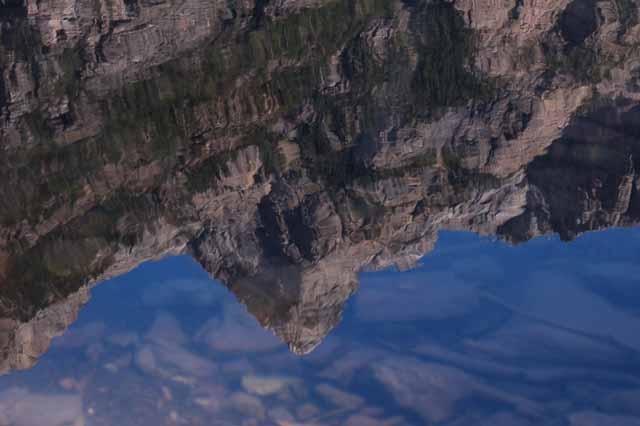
x,y
480,333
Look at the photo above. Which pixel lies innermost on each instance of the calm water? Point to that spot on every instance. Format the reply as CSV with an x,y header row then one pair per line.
x,y
480,333
287,146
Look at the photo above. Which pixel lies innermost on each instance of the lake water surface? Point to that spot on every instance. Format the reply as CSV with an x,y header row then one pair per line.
x,y
480,333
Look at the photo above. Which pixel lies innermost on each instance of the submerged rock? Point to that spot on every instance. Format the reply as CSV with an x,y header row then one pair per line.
x,y
267,385
339,398
280,415
119,363
166,329
307,411
18,406
174,362
432,390
248,405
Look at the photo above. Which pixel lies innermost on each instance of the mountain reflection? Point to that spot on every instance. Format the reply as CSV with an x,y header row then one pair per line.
x,y
290,249
487,342
291,149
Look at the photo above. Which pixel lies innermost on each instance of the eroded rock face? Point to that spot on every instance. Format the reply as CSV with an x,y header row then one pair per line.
x,y
24,343
288,144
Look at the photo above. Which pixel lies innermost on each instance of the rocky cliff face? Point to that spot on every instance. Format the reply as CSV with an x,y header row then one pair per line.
x,y
288,144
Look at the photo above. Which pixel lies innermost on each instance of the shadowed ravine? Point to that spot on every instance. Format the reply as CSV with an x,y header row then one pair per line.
x,y
289,145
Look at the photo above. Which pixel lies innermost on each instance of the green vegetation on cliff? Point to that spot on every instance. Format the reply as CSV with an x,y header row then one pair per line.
x,y
446,50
